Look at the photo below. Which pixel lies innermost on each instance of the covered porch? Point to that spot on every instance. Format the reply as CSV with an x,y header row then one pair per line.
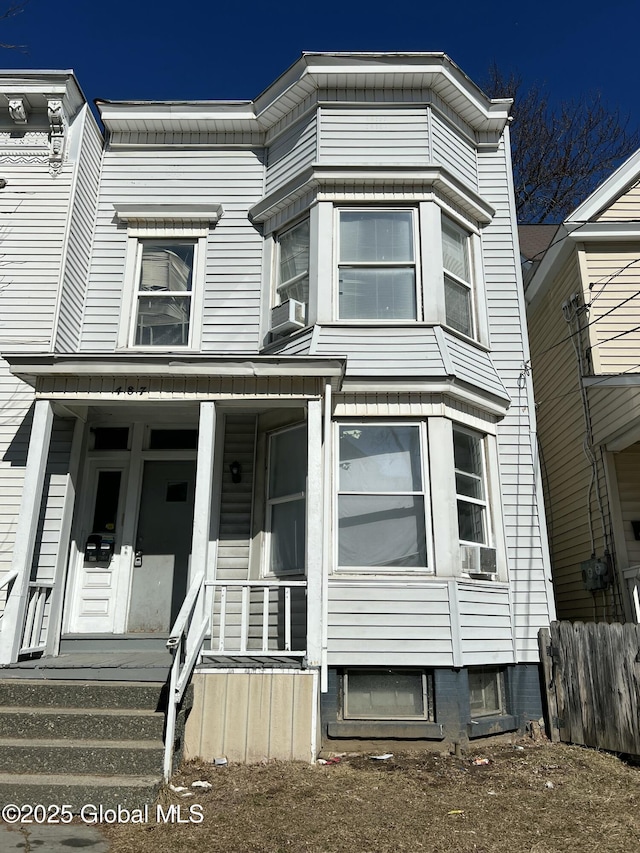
x,y
233,600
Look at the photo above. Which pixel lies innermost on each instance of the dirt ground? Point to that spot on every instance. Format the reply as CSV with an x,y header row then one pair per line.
x,y
531,797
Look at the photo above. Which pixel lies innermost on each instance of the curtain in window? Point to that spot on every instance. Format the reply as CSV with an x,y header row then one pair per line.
x,y
457,299
381,512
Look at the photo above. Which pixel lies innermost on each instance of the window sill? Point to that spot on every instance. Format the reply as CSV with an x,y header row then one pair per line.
x,y
400,729
495,725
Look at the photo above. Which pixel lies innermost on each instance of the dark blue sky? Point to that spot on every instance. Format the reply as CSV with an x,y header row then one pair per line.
x,y
202,49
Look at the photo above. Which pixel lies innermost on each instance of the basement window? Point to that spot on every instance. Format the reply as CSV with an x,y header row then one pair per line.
x,y
376,694
486,692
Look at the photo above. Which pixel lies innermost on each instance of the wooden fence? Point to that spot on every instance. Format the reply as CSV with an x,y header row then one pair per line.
x,y
592,677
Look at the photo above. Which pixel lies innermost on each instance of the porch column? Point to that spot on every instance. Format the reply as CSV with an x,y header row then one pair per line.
x,y
203,491
315,533
26,528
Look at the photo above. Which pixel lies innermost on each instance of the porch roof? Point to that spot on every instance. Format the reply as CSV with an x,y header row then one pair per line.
x,y
123,368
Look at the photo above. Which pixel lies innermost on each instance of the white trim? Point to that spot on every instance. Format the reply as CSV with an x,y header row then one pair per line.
x,y
152,211
424,493
609,190
26,529
314,558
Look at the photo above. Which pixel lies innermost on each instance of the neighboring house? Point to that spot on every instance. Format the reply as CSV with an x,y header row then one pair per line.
x,y
291,385
584,323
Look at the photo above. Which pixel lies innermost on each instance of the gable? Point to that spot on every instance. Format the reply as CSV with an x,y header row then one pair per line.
x,y
626,208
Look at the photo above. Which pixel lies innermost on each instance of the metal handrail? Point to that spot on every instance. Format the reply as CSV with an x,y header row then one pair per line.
x,y
6,580
185,643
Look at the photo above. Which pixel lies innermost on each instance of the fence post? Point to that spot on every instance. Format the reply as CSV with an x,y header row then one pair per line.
x,y
544,645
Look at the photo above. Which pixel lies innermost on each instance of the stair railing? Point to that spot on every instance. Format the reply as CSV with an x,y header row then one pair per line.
x,y
6,585
185,643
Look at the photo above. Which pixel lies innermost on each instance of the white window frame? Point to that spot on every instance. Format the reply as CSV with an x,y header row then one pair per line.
x,y
280,285
414,264
485,502
135,241
425,493
458,280
267,570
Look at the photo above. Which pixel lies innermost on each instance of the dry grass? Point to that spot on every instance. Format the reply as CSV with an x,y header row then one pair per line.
x,y
543,799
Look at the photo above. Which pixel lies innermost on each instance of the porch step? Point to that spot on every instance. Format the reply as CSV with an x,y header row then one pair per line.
x,y
75,723
104,758
78,742
77,791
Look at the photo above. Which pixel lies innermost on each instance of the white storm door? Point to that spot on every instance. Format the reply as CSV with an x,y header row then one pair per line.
x,y
97,582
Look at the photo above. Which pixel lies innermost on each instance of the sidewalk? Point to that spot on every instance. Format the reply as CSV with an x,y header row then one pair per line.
x,y
59,838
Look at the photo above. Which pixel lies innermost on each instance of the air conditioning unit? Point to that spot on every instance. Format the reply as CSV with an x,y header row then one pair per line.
x,y
478,561
288,316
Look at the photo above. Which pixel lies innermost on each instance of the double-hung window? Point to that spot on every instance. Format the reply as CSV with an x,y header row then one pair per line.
x,y
486,692
293,264
286,501
471,487
458,297
381,497
377,266
163,313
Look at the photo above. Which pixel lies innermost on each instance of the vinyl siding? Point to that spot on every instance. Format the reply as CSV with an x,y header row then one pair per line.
x,y
613,411
452,150
374,135
614,278
232,178
486,629
509,350
80,233
561,426
412,623
32,228
625,209
388,624
54,493
292,152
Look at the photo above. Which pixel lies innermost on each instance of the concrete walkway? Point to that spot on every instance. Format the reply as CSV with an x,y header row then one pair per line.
x,y
55,838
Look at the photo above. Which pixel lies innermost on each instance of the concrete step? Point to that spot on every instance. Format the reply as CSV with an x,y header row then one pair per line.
x,y
137,758
77,723
78,791
40,693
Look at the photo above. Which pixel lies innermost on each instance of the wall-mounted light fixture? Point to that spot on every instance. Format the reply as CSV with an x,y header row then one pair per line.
x,y
236,471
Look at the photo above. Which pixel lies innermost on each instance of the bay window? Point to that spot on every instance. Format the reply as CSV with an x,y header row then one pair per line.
x,y
377,265
381,497
164,293
457,277
471,490
293,264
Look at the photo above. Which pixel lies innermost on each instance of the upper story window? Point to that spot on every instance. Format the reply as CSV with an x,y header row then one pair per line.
x,y
377,266
381,497
293,264
457,277
164,293
471,498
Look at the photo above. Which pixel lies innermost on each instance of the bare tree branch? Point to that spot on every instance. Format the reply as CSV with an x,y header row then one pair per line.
x,y
560,153
10,12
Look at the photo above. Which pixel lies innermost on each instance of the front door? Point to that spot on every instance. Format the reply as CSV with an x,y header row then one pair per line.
x,y
137,583
162,551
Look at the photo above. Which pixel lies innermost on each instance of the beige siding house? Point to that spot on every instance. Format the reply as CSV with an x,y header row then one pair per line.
x,y
283,398
583,305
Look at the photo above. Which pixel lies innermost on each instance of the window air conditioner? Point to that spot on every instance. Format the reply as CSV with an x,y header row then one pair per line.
x,y
287,316
478,561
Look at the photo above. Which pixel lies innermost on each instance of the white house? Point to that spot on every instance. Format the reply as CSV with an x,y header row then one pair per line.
x,y
275,366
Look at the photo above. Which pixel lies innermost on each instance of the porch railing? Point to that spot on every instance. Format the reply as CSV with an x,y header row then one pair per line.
x,y
34,637
185,643
258,617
